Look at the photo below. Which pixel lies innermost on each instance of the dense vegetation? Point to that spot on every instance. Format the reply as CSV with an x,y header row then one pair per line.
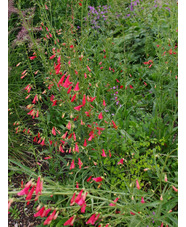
x,y
93,111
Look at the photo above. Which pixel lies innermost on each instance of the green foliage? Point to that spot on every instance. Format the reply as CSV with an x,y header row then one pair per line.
x,y
130,62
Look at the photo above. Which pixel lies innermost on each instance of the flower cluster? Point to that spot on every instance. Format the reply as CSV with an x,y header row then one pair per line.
x,y
98,16
29,189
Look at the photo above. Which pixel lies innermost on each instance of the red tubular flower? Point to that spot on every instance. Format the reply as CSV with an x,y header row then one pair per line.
x,y
132,213
84,100
80,163
73,98
40,212
81,201
29,196
89,178
76,148
97,179
45,213
88,69
103,153
50,218
92,99
131,87
72,201
72,166
114,125
91,137
100,116
53,56
110,154
115,201
26,189
74,135
78,108
61,80
83,208
43,142
121,161
32,58
104,104
68,126
69,90
85,143
91,220
70,221
79,196
76,87
142,200
54,131
175,189
39,188
137,185
67,82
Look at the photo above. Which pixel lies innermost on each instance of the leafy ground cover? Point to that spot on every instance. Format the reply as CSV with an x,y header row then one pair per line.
x,y
93,112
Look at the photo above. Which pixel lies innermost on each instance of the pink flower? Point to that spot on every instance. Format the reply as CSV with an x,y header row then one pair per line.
x,y
104,104
115,201
84,100
100,116
72,201
26,189
80,163
137,185
88,69
32,58
73,98
103,153
72,166
85,143
110,154
89,178
43,142
9,203
61,80
142,200
40,212
53,56
76,87
81,201
69,90
50,218
175,189
70,221
114,125
165,177
29,195
97,179
67,82
120,162
78,196
68,125
54,131
91,220
83,208
76,148
78,108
